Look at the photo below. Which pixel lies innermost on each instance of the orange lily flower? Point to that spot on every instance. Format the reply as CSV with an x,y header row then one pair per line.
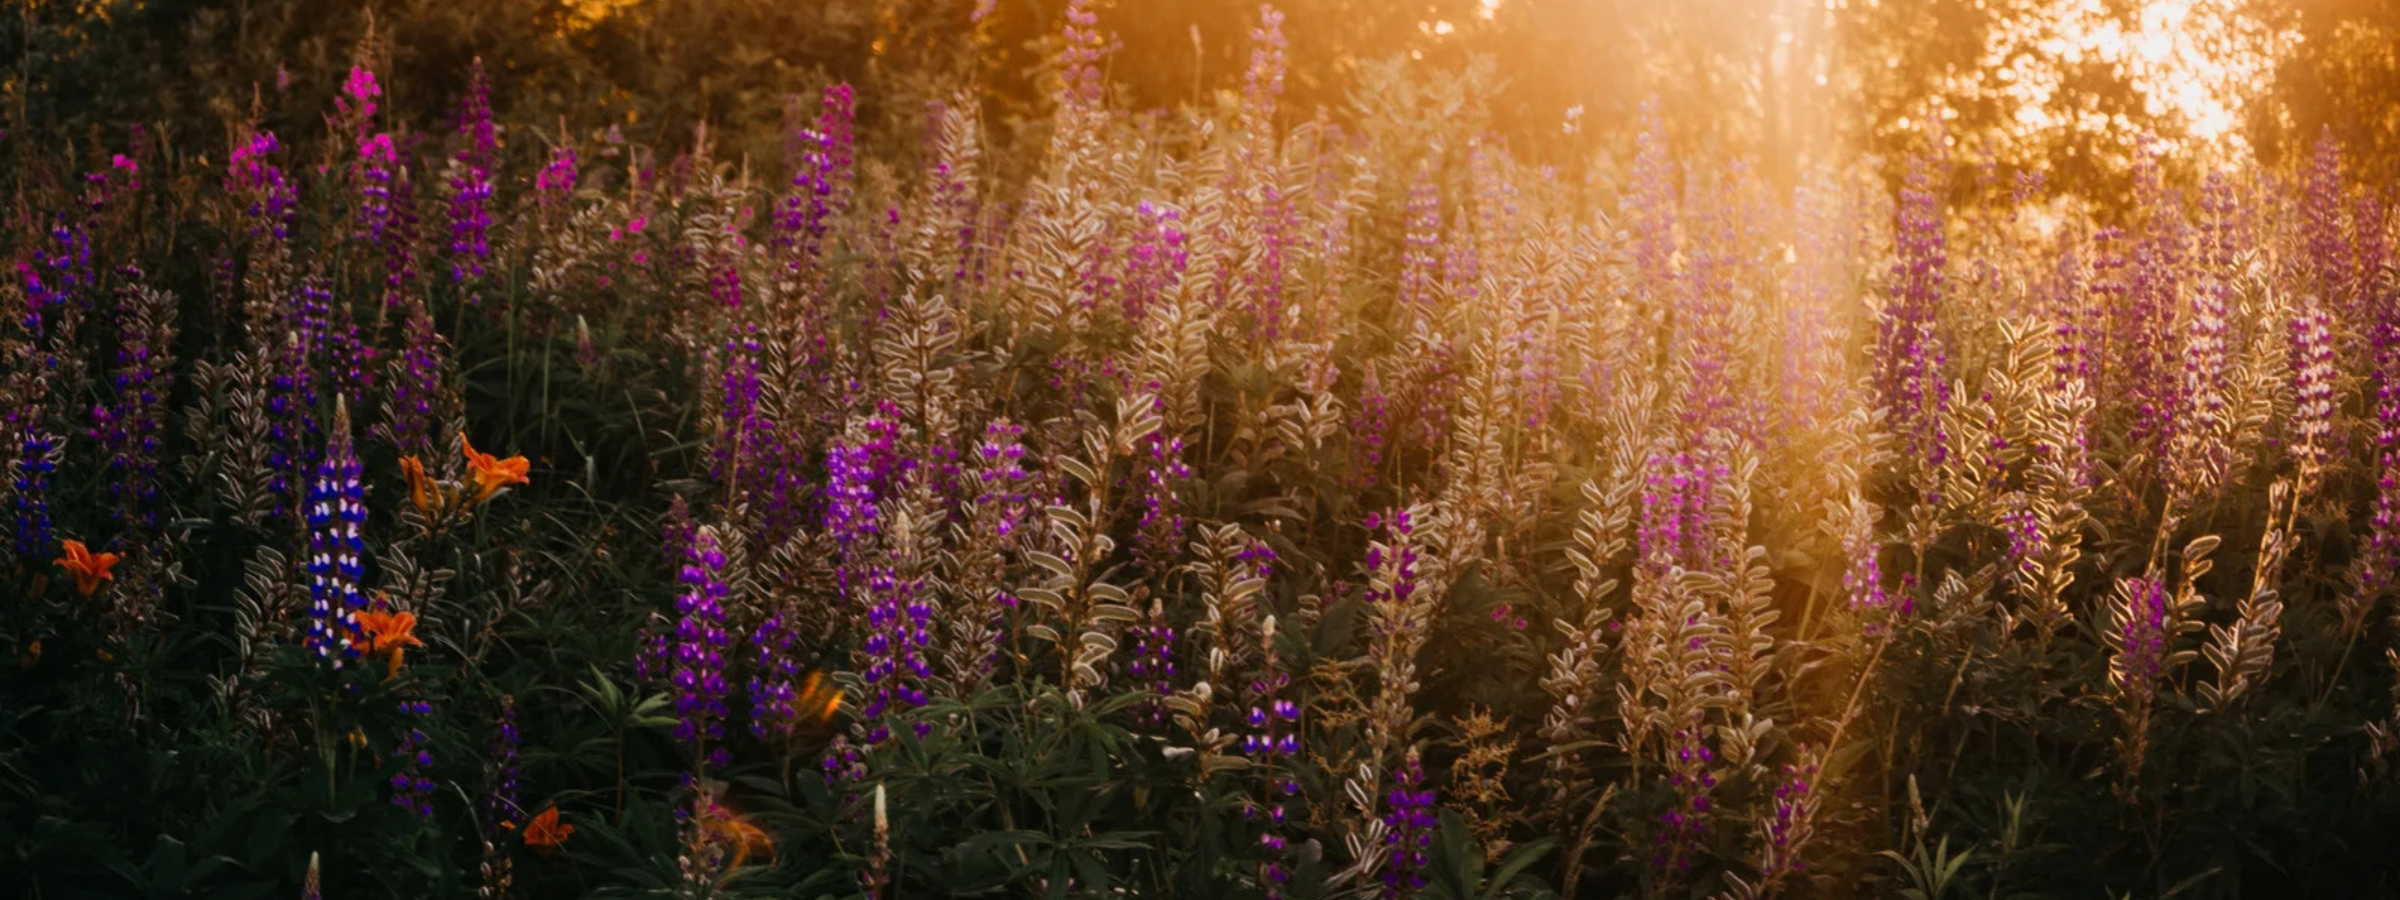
x,y
421,490
389,632
88,568
544,832
492,473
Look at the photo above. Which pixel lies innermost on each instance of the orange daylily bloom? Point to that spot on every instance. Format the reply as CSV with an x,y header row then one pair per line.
x,y
389,632
421,489
88,568
492,473
544,832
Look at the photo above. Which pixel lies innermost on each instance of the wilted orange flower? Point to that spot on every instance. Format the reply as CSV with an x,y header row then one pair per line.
x,y
88,568
389,632
421,490
492,473
544,832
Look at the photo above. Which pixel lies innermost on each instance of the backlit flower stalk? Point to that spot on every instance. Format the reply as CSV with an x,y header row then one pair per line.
x,y
1911,386
1273,736
701,643
415,404
37,454
1160,535
899,633
850,513
502,805
471,183
377,163
2140,640
1691,772
58,279
821,187
1788,824
1153,665
994,516
128,428
2313,402
268,199
412,787
1400,602
1370,429
775,678
335,514
554,185
1155,263
2372,574
1409,822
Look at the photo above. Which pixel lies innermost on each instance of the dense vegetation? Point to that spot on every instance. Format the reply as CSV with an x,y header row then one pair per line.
x,y
1233,500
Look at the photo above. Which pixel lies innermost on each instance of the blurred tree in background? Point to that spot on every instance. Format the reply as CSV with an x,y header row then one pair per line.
x,y
1790,83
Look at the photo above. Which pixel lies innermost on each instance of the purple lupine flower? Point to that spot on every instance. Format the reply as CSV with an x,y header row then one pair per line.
x,y
378,164
56,278
1790,822
291,416
398,241
336,510
1153,665
1155,264
774,678
2200,399
2328,256
471,181
1401,560
1370,429
1911,387
2063,300
2313,377
415,385
2145,319
1536,349
2382,552
899,631
29,484
1273,735
1690,772
1262,82
1161,532
267,197
412,788
336,347
502,805
2024,530
1277,220
2142,638
821,187
1652,205
700,646
850,513
1422,246
1409,822
1080,90
1434,380
1862,577
1003,484
1677,500
128,427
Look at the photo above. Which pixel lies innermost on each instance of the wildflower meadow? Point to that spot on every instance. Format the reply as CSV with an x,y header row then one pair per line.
x,y
923,495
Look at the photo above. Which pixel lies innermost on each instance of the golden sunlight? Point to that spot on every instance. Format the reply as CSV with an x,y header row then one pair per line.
x,y
2194,61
